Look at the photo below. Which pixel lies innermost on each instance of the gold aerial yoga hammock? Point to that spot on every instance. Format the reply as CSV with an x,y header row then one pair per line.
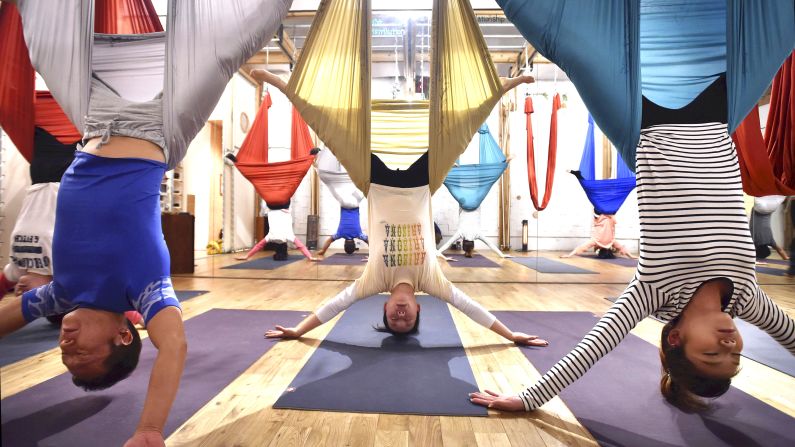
x,y
330,87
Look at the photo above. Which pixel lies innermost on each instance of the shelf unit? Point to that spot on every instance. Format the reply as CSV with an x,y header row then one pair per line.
x,y
172,191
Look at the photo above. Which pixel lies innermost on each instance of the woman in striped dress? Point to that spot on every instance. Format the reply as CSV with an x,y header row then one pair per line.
x,y
696,267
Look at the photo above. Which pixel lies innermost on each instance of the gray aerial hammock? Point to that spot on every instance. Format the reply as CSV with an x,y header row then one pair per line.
x,y
202,47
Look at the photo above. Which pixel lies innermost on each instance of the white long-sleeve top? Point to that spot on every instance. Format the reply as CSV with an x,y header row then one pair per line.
x,y
402,249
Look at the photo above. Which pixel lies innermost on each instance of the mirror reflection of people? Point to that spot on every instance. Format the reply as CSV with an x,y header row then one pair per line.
x,y
761,231
603,239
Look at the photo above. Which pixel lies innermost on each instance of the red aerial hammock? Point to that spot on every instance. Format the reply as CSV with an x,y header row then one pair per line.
x,y
18,115
551,152
275,182
767,165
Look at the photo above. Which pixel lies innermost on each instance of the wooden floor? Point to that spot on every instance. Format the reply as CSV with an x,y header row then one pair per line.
x,y
241,414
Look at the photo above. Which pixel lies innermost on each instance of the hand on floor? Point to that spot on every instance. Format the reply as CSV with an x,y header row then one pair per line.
x,y
520,338
282,332
240,258
496,401
146,439
565,256
504,256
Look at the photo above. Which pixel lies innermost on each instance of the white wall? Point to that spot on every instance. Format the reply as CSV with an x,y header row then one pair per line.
x,y
14,180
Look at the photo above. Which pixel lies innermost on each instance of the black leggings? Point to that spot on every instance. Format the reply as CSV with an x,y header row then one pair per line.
x,y
416,175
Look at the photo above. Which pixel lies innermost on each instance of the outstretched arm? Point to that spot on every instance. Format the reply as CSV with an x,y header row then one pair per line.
x,y
637,302
168,335
622,250
494,247
483,317
447,244
326,245
300,246
11,317
40,302
509,84
263,75
763,313
253,250
326,312
581,249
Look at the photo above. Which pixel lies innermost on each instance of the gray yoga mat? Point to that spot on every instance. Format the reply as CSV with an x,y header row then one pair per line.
x,y
356,369
345,259
624,262
222,344
264,263
619,399
759,347
40,336
474,261
771,270
544,265
777,261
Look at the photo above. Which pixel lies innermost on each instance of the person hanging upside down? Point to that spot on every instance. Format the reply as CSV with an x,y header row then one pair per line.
x,y
696,268
280,232
138,110
469,231
402,260
349,197
603,239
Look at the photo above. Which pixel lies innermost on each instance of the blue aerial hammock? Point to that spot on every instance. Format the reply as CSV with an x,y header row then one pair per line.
x,y
469,184
606,195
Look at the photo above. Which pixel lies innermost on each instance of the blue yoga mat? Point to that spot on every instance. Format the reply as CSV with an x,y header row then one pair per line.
x,y
222,344
619,400
759,347
356,369
544,265
345,259
264,263
40,336
474,261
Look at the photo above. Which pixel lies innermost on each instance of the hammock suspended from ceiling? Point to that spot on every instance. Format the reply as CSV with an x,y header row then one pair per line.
x,y
336,179
767,164
747,39
552,151
606,195
20,108
469,184
330,85
275,182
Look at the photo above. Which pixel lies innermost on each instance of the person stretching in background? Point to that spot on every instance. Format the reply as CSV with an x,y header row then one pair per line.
x,y
603,239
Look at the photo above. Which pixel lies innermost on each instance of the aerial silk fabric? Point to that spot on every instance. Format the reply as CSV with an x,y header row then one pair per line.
x,y
606,195
336,179
17,79
205,42
275,182
399,131
780,129
599,45
50,117
330,84
552,151
756,168
469,184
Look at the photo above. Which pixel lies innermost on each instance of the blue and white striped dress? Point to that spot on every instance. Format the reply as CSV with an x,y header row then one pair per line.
x,y
693,228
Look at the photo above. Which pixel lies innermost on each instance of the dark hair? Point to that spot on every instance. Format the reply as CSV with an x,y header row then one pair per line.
x,y
468,246
121,362
681,384
605,253
386,328
281,252
350,246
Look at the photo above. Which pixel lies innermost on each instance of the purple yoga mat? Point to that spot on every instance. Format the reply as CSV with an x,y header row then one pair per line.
x,y
345,259
624,262
619,400
222,344
474,261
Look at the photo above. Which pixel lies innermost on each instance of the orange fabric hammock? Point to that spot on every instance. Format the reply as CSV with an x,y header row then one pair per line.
x,y
767,165
17,78
551,152
275,182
